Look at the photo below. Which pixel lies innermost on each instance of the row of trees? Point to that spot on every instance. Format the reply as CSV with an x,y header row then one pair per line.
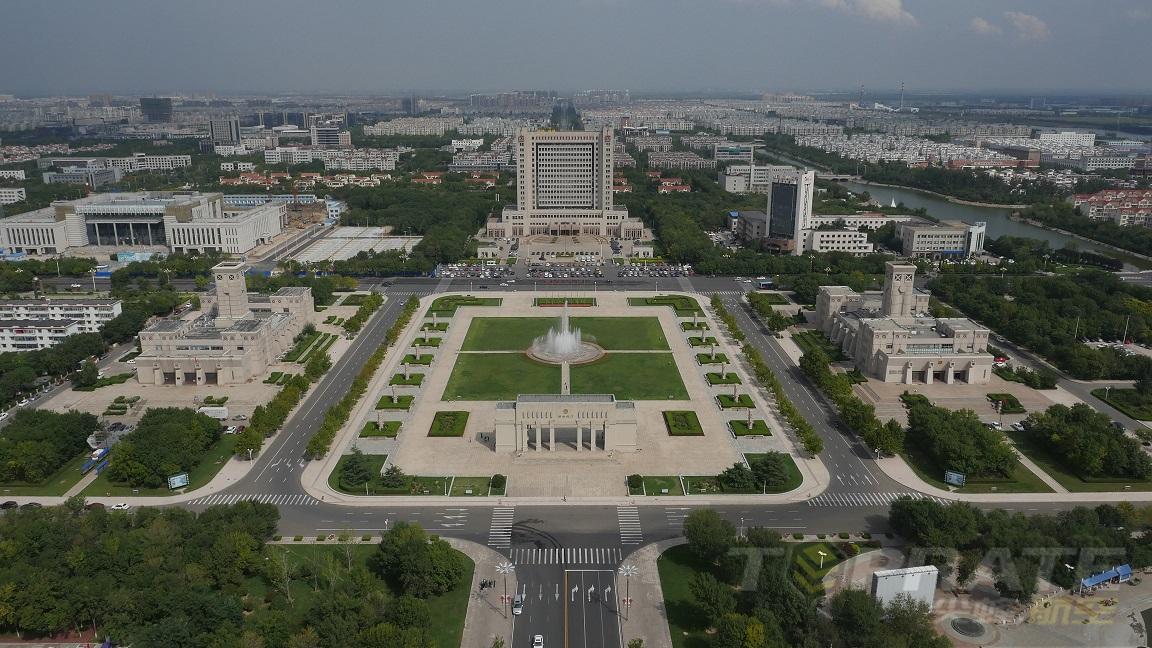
x,y
957,440
166,441
769,316
369,305
1062,215
36,443
771,611
1052,314
1087,444
855,414
765,473
959,537
266,419
803,429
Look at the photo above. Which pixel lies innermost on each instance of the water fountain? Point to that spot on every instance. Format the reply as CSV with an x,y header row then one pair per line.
x,y
564,344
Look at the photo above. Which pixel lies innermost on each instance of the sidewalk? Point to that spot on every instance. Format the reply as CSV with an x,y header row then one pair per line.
x,y
487,619
646,619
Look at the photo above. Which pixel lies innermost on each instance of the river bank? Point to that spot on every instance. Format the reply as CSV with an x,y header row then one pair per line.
x,y
951,199
1080,237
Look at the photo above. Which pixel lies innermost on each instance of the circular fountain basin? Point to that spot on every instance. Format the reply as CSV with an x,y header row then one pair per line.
x,y
583,353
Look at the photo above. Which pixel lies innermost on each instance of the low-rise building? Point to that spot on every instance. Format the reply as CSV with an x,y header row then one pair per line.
x,y
89,314
10,195
32,335
850,241
679,160
233,339
892,338
12,174
1121,206
92,178
942,240
131,164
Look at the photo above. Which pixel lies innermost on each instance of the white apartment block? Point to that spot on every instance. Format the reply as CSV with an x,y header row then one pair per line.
x,y
679,160
1069,138
365,159
733,152
181,221
564,188
131,164
238,166
9,195
470,145
745,178
415,126
32,335
12,174
90,314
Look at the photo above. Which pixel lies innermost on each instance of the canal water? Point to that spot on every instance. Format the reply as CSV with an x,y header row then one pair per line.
x,y
999,223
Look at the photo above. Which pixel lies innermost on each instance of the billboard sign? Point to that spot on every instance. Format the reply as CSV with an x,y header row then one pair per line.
x,y
179,480
954,478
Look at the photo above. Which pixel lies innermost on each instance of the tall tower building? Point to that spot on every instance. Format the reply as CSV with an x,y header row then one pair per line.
x,y
790,208
231,292
156,110
560,170
899,290
224,131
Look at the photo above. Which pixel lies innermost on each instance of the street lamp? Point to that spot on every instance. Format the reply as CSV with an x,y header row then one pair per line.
x,y
505,568
822,554
627,571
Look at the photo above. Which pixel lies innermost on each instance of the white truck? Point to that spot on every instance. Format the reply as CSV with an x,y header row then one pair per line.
x,y
219,413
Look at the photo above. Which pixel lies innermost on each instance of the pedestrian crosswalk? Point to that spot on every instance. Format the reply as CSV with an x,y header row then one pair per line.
x,y
629,519
500,531
731,293
279,499
866,499
567,556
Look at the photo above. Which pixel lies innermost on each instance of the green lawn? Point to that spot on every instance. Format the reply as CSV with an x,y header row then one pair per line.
x,y
448,424
677,566
689,326
401,402
653,484
809,340
682,423
478,486
1129,401
1009,404
611,333
794,476
438,326
354,299
774,299
707,358
118,379
427,342
213,460
376,461
730,378
740,427
372,429
413,379
448,610
446,306
499,376
1052,465
631,376
742,400
683,305
1021,480
300,347
702,341
424,359
57,484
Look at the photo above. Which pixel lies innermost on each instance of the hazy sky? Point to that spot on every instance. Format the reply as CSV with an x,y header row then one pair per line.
x,y
168,46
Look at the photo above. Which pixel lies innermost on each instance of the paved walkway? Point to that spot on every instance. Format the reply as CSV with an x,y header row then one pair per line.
x,y
646,619
1039,472
487,618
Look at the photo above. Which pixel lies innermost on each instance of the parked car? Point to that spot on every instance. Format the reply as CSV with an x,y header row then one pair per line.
x,y
120,507
22,403
75,286
231,429
240,417
3,415
130,361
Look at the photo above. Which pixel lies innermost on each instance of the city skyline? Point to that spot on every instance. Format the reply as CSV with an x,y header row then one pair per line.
x,y
716,45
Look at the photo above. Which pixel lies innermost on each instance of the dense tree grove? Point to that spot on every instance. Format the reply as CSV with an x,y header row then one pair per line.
x,y
1020,548
1087,443
36,443
770,610
20,370
166,441
166,577
957,439
1050,314
423,565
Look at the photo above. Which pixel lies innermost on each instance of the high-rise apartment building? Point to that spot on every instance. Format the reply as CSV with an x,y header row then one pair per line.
x,y
564,188
790,209
156,110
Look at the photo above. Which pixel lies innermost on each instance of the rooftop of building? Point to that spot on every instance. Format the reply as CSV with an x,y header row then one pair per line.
x,y
59,302
36,323
148,198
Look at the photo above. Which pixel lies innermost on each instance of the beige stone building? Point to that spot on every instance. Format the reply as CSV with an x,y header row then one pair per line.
x,y
892,338
589,422
231,340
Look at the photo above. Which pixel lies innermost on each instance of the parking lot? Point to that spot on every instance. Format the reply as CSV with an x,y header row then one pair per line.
x,y
655,270
566,271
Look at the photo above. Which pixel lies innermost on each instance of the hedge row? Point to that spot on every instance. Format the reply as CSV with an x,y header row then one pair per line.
x,y
804,431
371,303
337,415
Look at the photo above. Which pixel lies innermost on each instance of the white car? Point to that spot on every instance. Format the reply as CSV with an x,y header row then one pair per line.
x,y
518,604
231,429
75,286
22,403
3,415
538,641
130,361
120,507
240,417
